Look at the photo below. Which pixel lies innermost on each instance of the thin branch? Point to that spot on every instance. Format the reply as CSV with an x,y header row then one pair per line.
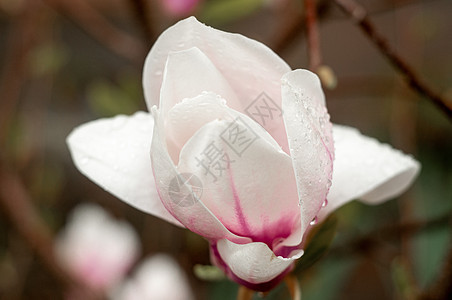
x,y
99,27
141,11
23,36
312,31
359,15
294,25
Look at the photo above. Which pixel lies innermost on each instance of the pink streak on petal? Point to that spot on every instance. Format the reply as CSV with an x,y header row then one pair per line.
x,y
238,208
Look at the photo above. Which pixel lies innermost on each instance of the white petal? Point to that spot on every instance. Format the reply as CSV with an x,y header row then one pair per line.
x,y
115,154
252,70
254,262
249,66
310,140
367,170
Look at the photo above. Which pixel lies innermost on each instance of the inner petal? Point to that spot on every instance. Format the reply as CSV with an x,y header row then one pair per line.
x,y
187,74
247,180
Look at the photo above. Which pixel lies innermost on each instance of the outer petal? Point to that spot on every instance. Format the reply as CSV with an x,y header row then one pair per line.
x,y
254,263
252,69
367,169
187,74
240,60
310,140
179,194
114,153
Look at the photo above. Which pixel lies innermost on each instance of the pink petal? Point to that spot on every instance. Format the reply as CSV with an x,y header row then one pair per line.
x,y
179,195
96,248
310,140
367,170
248,184
250,67
114,153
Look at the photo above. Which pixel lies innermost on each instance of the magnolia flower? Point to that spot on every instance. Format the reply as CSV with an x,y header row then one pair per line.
x,y
239,150
97,249
157,278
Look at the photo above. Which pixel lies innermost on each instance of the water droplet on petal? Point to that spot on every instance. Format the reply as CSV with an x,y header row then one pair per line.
x,y
325,203
314,221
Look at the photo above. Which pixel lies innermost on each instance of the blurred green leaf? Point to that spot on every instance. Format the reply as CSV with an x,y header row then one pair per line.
x,y
208,273
223,11
223,290
47,59
319,241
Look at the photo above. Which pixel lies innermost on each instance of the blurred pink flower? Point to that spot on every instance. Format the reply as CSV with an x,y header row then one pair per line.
x,y
179,8
97,249
242,151
157,278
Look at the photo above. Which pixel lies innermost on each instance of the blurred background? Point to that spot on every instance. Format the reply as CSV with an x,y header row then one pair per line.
x,y
66,62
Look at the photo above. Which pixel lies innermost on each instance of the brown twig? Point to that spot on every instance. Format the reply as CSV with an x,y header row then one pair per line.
x,y
141,11
17,206
359,15
312,31
23,36
99,27
294,25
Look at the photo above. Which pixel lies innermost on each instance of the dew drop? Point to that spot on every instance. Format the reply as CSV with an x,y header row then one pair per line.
x,y
314,221
325,203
